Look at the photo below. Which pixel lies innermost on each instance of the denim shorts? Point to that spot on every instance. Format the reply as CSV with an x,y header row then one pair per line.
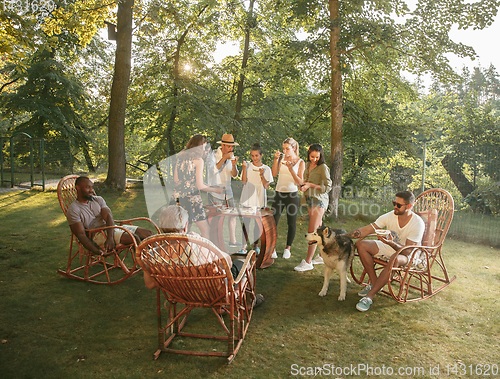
x,y
311,202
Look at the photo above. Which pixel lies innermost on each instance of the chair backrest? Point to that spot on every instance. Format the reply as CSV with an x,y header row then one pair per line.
x,y
427,204
191,269
66,191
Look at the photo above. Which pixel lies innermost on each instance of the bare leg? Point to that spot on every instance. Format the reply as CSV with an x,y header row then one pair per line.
x,y
143,233
139,235
315,221
384,276
232,229
204,228
366,250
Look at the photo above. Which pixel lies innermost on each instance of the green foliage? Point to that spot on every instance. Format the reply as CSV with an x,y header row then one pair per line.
x,y
17,35
485,200
49,96
47,103
82,18
287,83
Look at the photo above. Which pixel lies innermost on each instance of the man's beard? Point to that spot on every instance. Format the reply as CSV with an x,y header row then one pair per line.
x,y
89,197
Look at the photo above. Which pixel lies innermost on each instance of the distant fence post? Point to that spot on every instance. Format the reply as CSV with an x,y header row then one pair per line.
x,y
32,170
11,163
42,161
1,161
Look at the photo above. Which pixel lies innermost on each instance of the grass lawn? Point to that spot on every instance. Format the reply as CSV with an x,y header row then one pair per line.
x,y
54,327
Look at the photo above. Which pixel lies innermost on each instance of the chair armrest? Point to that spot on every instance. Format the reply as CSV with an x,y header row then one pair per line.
x,y
250,257
415,248
129,222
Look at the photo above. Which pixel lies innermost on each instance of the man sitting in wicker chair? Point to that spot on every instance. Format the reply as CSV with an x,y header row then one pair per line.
x,y
408,229
175,219
89,211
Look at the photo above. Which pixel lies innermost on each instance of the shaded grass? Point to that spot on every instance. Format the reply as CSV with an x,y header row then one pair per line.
x,y
51,326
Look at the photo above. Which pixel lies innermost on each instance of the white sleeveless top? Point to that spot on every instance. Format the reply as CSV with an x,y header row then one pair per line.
x,y
285,179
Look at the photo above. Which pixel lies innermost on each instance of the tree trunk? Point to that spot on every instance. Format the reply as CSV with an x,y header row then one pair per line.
x,y
175,95
244,63
88,158
116,178
336,109
457,176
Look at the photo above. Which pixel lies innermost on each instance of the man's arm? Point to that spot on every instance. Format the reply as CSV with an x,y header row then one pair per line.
x,y
149,282
361,232
79,231
107,216
234,169
222,160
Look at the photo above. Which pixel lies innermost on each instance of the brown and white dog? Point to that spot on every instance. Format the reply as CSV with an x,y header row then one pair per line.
x,y
337,251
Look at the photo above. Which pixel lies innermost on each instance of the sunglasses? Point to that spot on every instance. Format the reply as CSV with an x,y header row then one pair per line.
x,y
397,204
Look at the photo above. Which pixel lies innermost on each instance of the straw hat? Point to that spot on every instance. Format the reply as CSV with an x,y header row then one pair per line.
x,y
228,139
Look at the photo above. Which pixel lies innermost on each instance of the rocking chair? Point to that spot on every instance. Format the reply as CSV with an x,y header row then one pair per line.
x,y
112,268
192,274
426,273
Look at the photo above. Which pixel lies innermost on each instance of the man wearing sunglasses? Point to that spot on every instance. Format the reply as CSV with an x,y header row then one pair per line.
x,y
407,229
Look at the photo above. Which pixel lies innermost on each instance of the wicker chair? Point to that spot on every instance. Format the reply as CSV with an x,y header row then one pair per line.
x,y
192,274
426,273
112,268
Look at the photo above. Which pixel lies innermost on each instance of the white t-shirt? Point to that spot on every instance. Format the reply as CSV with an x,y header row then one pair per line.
x,y
413,230
285,179
222,177
254,194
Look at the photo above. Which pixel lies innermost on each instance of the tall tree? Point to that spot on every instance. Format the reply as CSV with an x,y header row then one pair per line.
x,y
368,34
116,178
249,25
336,147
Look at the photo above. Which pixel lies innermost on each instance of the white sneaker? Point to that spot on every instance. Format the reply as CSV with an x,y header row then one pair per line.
x,y
287,254
365,290
274,255
304,266
318,260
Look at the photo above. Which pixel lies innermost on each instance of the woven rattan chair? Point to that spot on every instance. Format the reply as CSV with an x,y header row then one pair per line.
x,y
112,268
191,274
426,273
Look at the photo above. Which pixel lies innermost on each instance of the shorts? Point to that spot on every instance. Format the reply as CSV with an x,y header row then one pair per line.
x,y
311,202
99,238
236,268
385,252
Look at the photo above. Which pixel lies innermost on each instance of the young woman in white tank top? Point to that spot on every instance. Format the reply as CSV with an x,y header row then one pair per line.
x,y
290,170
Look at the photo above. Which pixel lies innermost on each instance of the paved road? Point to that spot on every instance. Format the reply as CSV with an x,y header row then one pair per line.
x,y
49,184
